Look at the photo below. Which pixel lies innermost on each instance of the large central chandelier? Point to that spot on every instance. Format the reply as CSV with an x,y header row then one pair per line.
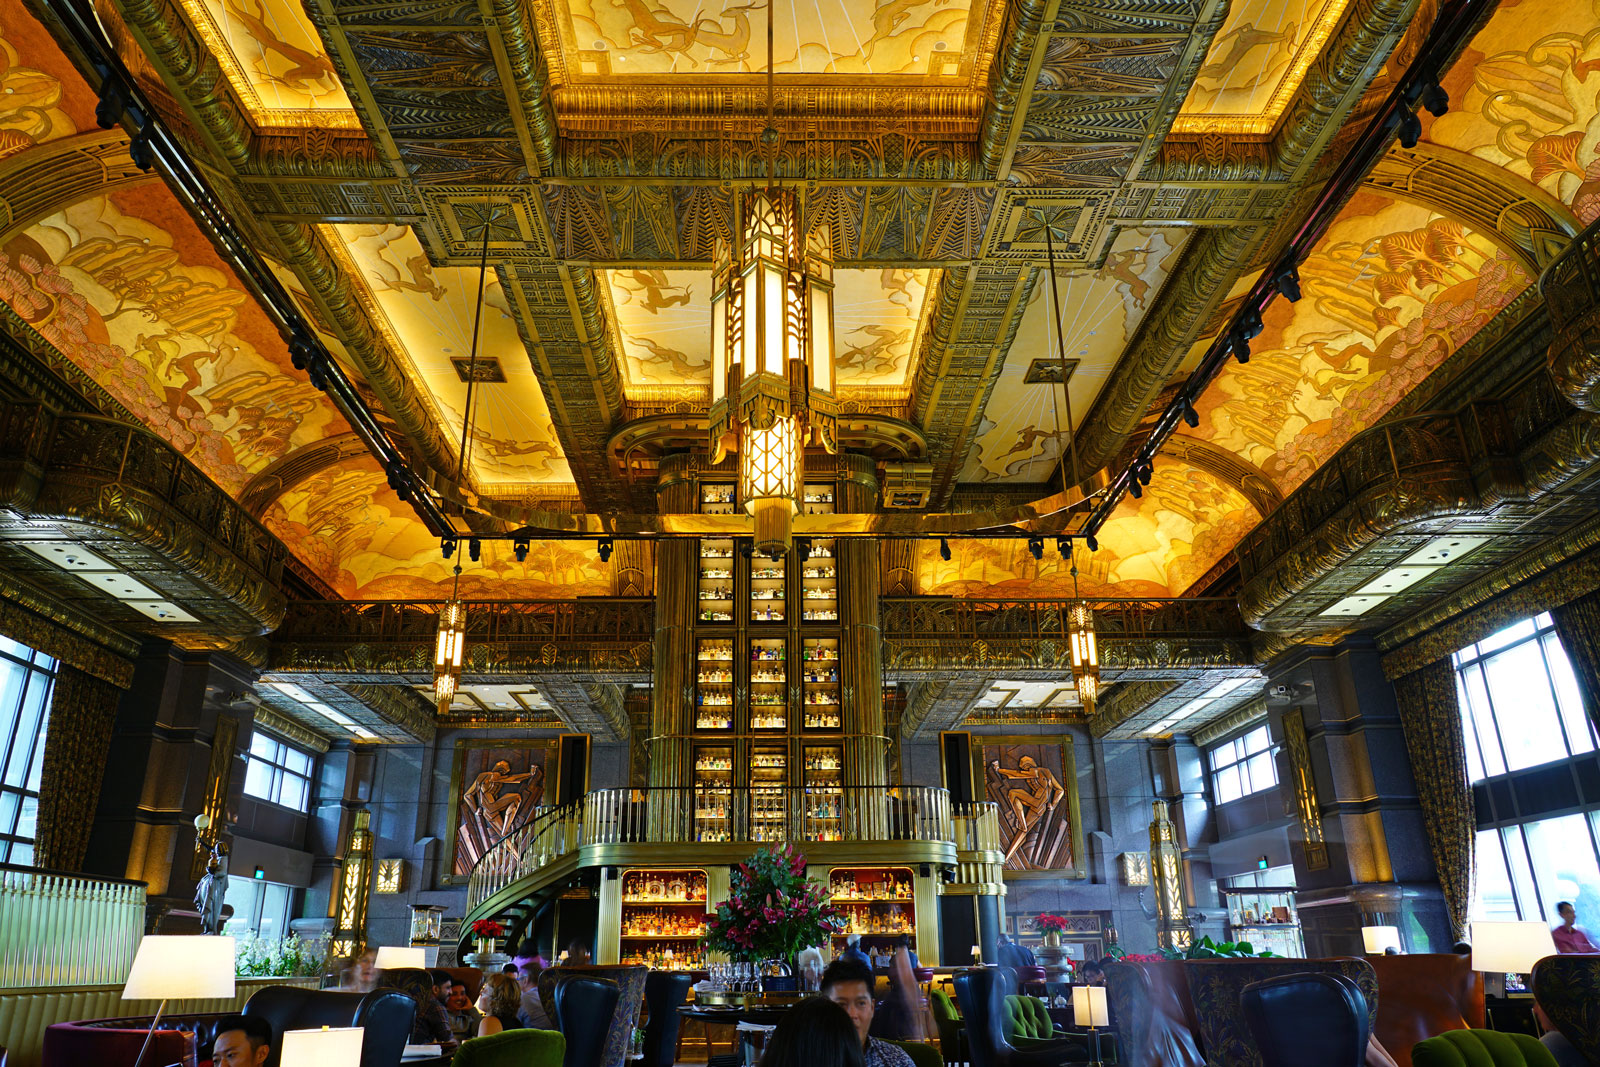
x,y
772,358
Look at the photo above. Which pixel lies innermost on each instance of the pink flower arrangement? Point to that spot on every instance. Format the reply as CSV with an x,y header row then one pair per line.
x,y
772,910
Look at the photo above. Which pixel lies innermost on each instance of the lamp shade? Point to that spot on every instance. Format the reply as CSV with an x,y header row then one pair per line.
x,y
1089,1006
1510,947
391,957
1376,940
181,967
327,1047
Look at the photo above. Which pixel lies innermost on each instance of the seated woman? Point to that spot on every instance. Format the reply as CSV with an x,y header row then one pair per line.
x,y
499,1001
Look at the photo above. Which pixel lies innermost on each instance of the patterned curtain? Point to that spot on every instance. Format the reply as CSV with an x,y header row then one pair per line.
x,y
1431,719
77,742
1578,623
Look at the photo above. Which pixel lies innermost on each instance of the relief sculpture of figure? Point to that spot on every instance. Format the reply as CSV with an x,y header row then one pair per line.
x,y
495,811
1030,802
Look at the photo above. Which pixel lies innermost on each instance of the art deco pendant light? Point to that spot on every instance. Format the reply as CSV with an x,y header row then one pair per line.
x,y
772,386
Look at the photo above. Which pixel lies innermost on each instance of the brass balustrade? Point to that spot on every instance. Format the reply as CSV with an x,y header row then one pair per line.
x,y
60,929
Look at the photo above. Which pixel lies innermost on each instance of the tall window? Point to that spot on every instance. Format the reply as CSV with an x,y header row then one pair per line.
x,y
1242,766
278,773
26,680
1520,705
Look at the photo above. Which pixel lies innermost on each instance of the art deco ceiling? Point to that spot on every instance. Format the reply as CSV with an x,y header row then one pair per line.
x,y
1164,148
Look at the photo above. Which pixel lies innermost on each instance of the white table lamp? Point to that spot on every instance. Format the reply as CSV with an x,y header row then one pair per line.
x,y
1499,948
393,957
1376,940
1089,1009
327,1047
179,967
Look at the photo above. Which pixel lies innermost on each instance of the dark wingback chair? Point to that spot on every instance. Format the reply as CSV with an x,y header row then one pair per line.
x,y
584,1005
385,1014
664,991
980,992
1567,987
1307,1020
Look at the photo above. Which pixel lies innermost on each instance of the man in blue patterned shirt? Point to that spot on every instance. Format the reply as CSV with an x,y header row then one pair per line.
x,y
849,985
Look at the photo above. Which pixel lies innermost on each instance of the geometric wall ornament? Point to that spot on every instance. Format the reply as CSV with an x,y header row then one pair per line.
x,y
1135,868
1048,371
484,369
1075,219
390,875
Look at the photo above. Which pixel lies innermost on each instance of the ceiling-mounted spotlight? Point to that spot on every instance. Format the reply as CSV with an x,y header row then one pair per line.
x,y
447,546
604,547
1288,281
802,549
1435,99
474,549
1064,547
520,546
1036,546
1133,487
1410,128
1250,324
1240,346
1145,471
1190,416
747,549
1093,543
944,549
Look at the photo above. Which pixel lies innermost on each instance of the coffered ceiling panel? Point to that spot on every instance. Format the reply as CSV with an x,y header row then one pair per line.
x,y
1256,63
927,42
1100,311
274,61
428,313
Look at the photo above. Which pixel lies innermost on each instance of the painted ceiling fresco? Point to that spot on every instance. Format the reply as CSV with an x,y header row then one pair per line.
x,y
1526,97
1391,290
929,40
1157,546
427,313
1100,309
664,320
42,97
125,287
274,61
1255,64
347,525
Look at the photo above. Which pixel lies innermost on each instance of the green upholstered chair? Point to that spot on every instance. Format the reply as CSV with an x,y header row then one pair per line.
x,y
512,1048
952,1032
921,1055
1026,1019
1480,1048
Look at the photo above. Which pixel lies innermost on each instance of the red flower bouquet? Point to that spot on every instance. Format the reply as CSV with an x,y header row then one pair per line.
x,y
772,911
1051,923
488,928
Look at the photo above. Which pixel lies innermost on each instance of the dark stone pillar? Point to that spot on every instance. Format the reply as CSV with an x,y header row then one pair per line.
x,y
1359,846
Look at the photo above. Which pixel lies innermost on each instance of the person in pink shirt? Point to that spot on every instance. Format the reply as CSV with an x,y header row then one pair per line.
x,y
1568,938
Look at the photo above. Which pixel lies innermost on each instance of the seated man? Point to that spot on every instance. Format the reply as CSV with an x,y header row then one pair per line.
x,y
242,1041
441,986
459,1011
849,985
531,1012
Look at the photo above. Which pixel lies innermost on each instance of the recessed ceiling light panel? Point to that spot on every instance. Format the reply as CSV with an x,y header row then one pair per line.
x,y
1354,605
120,585
161,610
1443,550
67,556
1395,579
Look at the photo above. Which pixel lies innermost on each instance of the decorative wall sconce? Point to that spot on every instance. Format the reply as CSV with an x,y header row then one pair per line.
x,y
391,873
1135,868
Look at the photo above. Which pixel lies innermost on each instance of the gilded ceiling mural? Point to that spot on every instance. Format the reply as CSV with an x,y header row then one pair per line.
x,y
1390,291
924,39
1526,97
664,320
1156,546
125,288
1255,64
1100,310
274,60
42,97
346,524
427,313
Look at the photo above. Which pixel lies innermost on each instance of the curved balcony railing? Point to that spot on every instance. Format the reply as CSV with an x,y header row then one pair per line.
x,y
763,814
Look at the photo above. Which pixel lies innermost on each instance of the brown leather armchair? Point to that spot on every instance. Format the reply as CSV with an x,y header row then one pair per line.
x,y
1424,995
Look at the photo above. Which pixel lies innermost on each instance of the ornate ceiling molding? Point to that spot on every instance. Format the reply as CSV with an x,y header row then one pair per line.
x,y
46,178
940,702
1230,467
1126,700
286,472
1571,290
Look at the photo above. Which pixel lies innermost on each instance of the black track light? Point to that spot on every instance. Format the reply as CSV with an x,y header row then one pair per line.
x,y
1435,99
1190,416
1093,543
474,549
1240,346
802,549
520,546
604,548
1288,282
1064,547
944,549
747,549
1133,487
1036,546
447,546
1145,471
1410,128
